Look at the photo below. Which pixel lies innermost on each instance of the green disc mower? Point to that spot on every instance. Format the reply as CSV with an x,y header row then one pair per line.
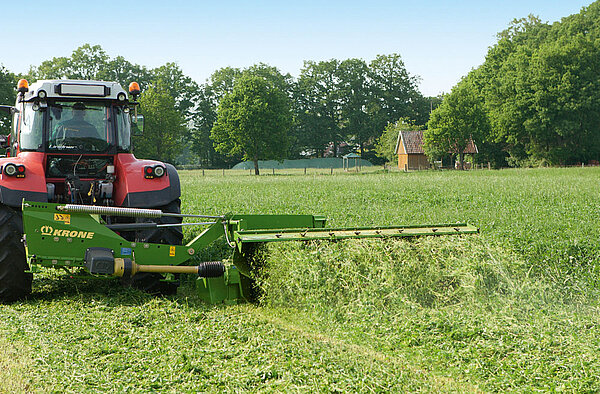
x,y
72,237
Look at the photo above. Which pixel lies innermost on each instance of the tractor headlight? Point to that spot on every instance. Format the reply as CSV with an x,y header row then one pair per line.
x,y
42,94
159,171
155,171
11,169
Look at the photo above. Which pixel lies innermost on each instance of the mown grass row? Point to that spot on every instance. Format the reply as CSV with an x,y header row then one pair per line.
x,y
513,308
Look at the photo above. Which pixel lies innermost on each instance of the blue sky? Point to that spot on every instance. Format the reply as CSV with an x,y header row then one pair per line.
x,y
439,40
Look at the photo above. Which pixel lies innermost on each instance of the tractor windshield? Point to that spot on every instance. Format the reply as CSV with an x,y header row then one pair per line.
x,y
77,127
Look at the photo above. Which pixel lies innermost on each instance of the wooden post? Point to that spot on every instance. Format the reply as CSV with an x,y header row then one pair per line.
x,y
405,167
203,172
331,170
273,170
489,166
223,172
304,170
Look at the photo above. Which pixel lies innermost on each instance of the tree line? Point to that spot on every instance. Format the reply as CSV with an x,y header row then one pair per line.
x,y
535,99
333,105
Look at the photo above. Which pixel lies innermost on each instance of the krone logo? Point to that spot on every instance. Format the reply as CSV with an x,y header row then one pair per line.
x,y
47,230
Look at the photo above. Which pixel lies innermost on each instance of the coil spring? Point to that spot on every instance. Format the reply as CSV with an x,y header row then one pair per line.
x,y
211,269
111,211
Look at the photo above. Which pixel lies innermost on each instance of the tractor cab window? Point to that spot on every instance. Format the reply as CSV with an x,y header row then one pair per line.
x,y
31,129
78,126
123,128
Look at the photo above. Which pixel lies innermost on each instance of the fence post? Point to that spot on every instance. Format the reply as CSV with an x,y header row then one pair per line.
x,y
223,172
203,172
331,171
273,170
304,170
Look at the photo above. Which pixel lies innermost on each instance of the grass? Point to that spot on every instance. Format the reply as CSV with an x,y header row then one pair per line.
x,y
514,308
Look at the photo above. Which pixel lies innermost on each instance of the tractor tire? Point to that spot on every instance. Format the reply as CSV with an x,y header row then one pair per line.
x,y
15,283
149,282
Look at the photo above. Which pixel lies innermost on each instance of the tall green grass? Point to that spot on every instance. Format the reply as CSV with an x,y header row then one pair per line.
x,y
512,308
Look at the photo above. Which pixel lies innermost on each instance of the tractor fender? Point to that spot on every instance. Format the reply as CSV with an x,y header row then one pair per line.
x,y
132,189
31,187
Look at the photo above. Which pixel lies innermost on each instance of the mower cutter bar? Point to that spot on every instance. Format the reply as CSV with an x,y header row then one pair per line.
x,y
253,236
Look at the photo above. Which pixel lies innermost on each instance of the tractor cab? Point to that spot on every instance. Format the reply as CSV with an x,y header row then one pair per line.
x,y
76,129
71,142
73,117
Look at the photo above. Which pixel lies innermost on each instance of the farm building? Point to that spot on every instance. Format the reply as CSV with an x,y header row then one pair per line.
x,y
409,148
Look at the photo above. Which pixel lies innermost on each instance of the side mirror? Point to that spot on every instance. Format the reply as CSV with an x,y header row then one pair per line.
x,y
137,124
9,109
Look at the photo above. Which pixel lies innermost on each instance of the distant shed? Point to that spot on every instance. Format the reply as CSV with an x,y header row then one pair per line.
x,y
409,148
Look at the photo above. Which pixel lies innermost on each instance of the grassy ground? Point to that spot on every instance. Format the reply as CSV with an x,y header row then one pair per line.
x,y
514,308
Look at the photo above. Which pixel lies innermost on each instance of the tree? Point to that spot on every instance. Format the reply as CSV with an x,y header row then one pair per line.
x,y
8,94
356,101
86,62
317,107
385,146
253,120
395,90
163,129
459,119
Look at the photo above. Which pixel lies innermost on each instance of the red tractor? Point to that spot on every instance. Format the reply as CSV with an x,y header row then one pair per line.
x,y
71,143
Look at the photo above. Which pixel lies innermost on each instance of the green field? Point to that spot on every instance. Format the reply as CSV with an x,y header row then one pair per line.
x,y
514,308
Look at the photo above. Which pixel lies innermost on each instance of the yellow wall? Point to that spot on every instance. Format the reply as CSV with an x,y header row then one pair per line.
x,y
414,162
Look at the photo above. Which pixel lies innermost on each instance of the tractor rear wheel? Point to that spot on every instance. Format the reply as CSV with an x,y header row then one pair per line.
x,y
15,283
153,283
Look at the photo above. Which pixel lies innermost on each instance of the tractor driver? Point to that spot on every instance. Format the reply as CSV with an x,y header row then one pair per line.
x,y
76,127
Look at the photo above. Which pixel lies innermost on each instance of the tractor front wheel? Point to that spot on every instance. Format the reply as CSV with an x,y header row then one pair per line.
x,y
15,282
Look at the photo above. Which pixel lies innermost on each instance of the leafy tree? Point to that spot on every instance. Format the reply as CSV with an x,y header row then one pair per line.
x,y
86,62
163,129
356,102
8,94
385,146
540,86
460,118
121,70
181,87
210,95
394,88
253,120
317,109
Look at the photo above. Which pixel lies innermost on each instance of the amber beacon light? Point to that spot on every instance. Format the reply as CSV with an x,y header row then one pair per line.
x,y
134,89
22,86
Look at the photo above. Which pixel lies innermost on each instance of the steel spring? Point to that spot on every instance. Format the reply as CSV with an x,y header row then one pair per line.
x,y
211,269
111,211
